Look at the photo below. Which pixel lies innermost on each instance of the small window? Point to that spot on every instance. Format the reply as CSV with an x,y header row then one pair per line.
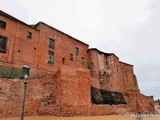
x,y
63,60
29,34
3,44
25,71
126,74
51,43
51,57
71,57
77,51
2,24
82,60
117,67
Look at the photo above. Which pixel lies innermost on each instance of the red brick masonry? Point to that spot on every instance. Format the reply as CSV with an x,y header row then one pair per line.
x,y
65,94
61,76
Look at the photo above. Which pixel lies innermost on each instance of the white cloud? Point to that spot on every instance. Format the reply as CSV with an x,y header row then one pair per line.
x,y
14,8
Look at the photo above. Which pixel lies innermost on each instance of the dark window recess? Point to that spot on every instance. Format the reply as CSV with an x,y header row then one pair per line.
x,y
117,67
77,51
82,60
2,24
126,74
63,60
3,44
51,57
71,57
29,34
51,43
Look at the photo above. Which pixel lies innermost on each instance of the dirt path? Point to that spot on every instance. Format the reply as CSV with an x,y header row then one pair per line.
x,y
109,117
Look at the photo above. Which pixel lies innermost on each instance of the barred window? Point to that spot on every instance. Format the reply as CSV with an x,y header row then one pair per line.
x,y
71,57
50,57
77,51
29,34
3,44
51,43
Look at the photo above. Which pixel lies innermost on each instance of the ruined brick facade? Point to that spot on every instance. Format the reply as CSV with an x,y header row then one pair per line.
x,y
62,71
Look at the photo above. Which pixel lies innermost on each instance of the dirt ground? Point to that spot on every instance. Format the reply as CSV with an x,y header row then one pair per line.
x,y
108,117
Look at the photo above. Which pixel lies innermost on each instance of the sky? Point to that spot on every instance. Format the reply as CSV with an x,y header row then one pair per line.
x,y
128,28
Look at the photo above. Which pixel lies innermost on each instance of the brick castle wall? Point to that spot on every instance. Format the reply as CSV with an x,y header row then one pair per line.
x,y
66,93
61,88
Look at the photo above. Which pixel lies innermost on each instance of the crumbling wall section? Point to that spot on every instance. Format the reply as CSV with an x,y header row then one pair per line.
x,y
109,109
67,93
127,78
40,97
139,102
74,92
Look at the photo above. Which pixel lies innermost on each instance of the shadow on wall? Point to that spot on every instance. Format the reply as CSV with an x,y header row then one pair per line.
x,y
100,96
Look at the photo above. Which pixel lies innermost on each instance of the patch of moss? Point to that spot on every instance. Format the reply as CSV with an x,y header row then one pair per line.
x,y
10,72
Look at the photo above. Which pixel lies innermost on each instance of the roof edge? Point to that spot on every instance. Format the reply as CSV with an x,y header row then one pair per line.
x,y
126,63
60,32
15,19
35,26
102,52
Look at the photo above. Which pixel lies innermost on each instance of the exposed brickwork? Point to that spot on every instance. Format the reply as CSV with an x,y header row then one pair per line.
x,y
34,51
110,73
40,97
64,46
74,92
65,94
10,97
144,102
109,110
62,86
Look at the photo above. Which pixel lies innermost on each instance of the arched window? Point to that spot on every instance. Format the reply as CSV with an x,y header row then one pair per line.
x,y
25,71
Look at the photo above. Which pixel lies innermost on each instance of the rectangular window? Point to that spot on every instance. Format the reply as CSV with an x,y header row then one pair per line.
x,y
77,51
2,24
29,34
50,57
117,67
3,44
51,43
71,57
63,60
82,60
126,74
